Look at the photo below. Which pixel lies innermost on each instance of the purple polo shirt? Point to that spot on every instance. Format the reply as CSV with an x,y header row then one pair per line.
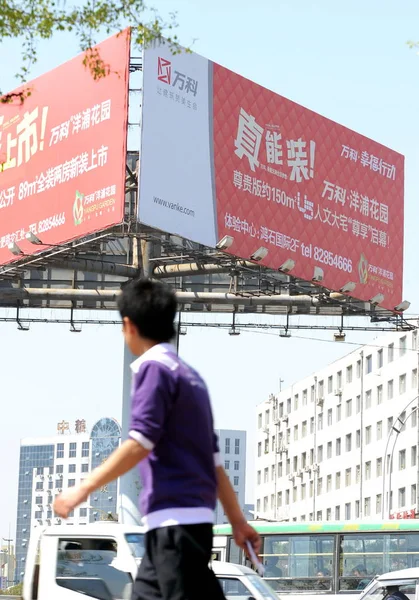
x,y
171,416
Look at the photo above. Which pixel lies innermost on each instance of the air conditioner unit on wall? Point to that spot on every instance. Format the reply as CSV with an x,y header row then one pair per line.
x,y
320,401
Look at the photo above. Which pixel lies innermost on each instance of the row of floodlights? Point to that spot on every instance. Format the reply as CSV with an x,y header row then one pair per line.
x,y
226,242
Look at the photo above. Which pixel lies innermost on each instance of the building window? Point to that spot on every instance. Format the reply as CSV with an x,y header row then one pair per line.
x,y
320,422
83,512
312,393
402,497
358,405
58,483
367,507
38,500
311,489
415,340
59,469
368,396
329,417
85,449
295,463
50,485
413,499
402,384
320,454
71,482
303,491
415,379
339,380
379,467
279,499
330,384
329,449
338,447
288,467
368,435
337,513
236,480
227,446
280,469
390,389
72,468
348,477
266,475
236,465
260,421
379,430
295,433
304,429
85,468
294,494
312,425
273,443
329,483
266,419
259,449
357,473
303,460
237,446
349,408
38,514
337,481
281,410
380,359
349,374
403,345
39,470
39,486
414,417
311,456
287,497
265,504
296,402
368,470
227,465
368,364
358,438
348,442
389,424
358,369
60,450
266,448
357,509
348,511
413,455
319,515
72,450
304,397
259,478
321,389
379,394
273,473
402,460
390,353
378,504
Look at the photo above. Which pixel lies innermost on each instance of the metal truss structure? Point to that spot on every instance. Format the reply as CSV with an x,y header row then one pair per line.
x,y
88,274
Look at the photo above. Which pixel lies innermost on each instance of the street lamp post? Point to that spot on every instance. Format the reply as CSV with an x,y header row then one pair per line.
x,y
397,427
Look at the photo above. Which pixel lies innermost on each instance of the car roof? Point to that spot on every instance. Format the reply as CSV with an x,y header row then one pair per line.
x,y
99,528
403,574
230,569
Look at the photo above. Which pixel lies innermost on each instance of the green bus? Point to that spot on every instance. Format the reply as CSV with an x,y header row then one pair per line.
x,y
326,557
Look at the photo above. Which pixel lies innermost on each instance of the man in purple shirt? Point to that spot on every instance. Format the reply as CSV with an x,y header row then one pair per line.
x,y
172,438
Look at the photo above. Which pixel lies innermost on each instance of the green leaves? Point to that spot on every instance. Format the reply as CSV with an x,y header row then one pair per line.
x,y
34,20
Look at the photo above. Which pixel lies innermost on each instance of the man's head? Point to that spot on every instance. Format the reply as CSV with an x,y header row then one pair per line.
x,y
148,310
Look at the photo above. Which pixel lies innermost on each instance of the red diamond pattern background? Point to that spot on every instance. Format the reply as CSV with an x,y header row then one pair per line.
x,y
233,92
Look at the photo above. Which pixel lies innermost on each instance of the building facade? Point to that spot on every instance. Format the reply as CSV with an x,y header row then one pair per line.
x,y
49,465
233,456
7,565
342,444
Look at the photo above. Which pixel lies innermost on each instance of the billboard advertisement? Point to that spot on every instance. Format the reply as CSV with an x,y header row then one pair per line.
x,y
62,153
223,156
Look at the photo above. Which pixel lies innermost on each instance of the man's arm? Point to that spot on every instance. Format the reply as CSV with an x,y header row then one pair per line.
x,y
242,531
120,462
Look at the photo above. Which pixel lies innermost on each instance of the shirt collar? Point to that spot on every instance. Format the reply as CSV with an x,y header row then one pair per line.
x,y
163,348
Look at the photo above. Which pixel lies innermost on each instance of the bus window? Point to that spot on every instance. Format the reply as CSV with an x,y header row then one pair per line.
x,y
235,554
361,559
402,551
299,562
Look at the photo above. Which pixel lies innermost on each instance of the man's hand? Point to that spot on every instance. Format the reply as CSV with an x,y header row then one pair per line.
x,y
69,500
242,533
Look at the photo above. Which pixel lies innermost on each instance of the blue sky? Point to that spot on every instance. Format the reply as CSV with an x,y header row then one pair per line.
x,y
346,60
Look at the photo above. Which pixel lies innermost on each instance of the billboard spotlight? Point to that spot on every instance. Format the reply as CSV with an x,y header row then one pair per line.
x,y
348,287
259,254
287,266
318,274
402,306
225,242
377,299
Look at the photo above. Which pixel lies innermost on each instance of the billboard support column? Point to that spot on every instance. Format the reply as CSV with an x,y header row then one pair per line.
x,y
129,484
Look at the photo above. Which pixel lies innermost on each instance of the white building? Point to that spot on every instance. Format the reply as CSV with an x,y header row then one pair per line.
x,y
51,464
233,455
321,443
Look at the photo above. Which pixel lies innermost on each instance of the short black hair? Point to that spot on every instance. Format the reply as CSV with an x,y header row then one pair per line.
x,y
151,306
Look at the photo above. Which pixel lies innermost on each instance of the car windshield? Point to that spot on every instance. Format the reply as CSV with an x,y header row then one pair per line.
x,y
263,587
136,544
381,589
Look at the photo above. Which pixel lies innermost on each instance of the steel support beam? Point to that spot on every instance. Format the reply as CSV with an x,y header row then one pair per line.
x,y
166,271
21,294
89,265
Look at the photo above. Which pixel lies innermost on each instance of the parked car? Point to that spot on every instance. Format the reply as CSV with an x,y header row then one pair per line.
x,y
241,583
397,584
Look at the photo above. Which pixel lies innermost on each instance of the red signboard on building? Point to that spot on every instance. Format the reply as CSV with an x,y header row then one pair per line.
x,y
63,153
290,188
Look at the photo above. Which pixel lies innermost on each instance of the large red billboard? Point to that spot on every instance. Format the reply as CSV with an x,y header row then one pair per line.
x,y
287,186
62,153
